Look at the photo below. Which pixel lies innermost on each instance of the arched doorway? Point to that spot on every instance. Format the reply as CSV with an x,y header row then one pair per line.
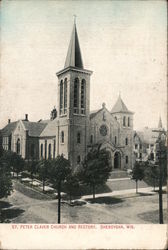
x,y
117,160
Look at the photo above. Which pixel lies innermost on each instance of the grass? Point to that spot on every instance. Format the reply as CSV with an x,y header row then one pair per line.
x,y
105,200
30,191
153,216
7,212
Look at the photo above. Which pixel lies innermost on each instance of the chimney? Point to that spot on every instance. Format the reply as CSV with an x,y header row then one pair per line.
x,y
9,121
26,117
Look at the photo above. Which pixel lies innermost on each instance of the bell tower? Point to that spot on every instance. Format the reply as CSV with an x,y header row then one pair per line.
x,y
125,119
73,104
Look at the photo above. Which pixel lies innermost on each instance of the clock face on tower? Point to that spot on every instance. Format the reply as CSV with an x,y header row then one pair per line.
x,y
103,130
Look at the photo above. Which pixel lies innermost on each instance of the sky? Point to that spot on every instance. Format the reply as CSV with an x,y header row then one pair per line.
x,y
122,42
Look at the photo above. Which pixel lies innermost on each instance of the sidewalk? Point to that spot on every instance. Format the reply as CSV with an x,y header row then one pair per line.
x,y
120,179
148,190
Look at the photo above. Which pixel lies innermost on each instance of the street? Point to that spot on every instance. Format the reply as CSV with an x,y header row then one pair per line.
x,y
123,208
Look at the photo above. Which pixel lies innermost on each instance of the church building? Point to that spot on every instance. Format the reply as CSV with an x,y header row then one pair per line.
x,y
73,129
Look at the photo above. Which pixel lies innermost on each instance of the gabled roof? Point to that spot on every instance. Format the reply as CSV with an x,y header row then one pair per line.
x,y
8,129
34,128
50,129
44,121
74,57
94,113
120,107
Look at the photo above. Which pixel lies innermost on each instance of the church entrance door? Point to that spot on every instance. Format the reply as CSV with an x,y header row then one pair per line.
x,y
117,160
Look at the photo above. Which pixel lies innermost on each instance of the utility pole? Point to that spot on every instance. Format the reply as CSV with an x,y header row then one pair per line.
x,y
161,155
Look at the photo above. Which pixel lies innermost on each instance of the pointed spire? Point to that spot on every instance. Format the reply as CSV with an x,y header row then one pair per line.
x,y
120,106
74,57
160,123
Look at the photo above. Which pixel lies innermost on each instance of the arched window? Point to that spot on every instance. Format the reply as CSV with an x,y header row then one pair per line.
x,y
116,117
45,149
18,146
115,139
54,146
124,121
128,121
65,96
62,136
49,151
91,139
83,87
126,159
76,96
41,150
32,150
126,141
78,137
78,159
61,97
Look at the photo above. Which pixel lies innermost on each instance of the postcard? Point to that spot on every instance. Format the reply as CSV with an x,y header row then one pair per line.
x,y
83,126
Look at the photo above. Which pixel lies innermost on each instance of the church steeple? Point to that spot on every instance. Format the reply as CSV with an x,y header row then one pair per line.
x,y
160,123
74,57
120,106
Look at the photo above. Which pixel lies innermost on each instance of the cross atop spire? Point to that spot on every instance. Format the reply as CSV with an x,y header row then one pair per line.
x,y
75,16
74,57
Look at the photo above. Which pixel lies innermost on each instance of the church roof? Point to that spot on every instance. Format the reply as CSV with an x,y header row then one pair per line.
x,y
120,107
74,57
8,129
50,129
34,128
94,113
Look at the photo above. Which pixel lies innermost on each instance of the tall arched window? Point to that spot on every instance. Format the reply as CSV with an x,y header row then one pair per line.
x,y
78,159
126,141
61,97
128,121
49,151
65,96
32,150
115,139
91,139
54,146
78,137
83,87
18,146
45,149
62,136
126,159
124,121
76,96
41,150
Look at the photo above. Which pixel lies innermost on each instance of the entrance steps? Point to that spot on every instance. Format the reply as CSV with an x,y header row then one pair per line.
x,y
115,174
